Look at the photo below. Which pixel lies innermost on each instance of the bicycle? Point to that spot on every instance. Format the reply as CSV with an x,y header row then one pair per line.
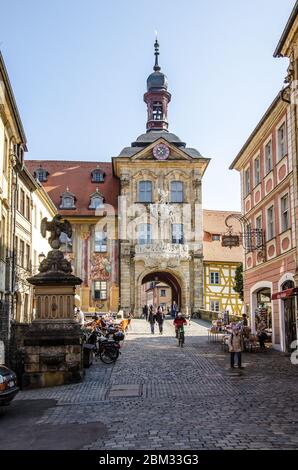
x,y
180,336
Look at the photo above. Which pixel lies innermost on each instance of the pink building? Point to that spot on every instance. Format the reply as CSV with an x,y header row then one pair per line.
x,y
265,163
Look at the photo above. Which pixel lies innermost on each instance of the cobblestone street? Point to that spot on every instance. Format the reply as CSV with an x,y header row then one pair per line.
x,y
159,396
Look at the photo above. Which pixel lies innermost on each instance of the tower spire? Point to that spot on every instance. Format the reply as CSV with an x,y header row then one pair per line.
x,y
156,67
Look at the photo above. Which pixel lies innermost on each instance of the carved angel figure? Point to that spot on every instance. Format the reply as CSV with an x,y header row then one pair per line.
x,y
55,227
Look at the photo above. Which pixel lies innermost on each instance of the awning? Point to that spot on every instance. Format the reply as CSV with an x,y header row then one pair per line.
x,y
284,294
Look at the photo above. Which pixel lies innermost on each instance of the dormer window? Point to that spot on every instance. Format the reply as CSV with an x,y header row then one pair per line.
x,y
157,111
96,200
97,175
41,174
67,200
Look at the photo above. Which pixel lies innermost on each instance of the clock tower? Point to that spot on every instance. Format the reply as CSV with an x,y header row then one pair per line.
x,y
157,97
160,209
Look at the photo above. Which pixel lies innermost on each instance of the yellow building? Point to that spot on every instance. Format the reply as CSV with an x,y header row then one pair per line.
x,y
220,264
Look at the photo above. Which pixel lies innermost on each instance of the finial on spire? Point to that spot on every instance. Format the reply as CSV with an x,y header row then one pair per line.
x,y
156,67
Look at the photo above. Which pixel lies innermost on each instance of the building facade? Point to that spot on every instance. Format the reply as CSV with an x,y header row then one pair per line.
x,y
266,163
160,209
136,220
20,241
220,263
86,194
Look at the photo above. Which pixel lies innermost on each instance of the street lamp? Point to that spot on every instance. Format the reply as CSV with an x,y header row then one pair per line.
x,y
41,257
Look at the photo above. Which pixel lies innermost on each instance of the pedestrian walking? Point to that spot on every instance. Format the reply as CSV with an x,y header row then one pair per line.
x,y
145,312
160,319
129,318
174,309
236,346
152,320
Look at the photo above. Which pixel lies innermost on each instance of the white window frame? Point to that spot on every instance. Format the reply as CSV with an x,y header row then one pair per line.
x,y
215,278
257,171
100,241
259,236
268,143
102,288
282,227
267,222
280,154
94,200
247,182
214,305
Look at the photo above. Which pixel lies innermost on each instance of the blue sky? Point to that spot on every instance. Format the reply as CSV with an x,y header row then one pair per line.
x,y
79,69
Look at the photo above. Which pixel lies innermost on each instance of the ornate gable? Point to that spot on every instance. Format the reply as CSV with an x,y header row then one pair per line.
x,y
161,150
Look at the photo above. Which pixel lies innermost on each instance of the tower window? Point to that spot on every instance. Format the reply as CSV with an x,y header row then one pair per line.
x,y
157,111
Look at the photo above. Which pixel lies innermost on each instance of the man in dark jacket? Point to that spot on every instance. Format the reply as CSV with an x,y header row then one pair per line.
x,y
152,320
160,319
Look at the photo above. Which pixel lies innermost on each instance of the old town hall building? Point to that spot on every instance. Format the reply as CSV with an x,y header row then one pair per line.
x,y
135,220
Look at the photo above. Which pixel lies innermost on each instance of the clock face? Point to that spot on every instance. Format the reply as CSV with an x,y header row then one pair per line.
x,y
161,151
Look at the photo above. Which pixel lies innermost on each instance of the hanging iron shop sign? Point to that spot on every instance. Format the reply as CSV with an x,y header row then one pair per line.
x,y
230,240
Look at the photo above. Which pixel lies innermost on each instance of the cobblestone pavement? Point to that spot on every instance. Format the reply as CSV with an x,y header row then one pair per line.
x,y
159,396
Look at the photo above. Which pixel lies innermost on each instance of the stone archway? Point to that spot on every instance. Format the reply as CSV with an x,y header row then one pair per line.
x,y
168,277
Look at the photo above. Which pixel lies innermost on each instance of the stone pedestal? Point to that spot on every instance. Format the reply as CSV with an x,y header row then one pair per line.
x,y
53,344
53,354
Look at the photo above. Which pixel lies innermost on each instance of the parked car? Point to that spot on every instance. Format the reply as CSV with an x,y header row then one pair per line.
x,y
8,385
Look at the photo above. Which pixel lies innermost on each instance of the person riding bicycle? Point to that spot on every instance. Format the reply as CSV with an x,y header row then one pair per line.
x,y
179,322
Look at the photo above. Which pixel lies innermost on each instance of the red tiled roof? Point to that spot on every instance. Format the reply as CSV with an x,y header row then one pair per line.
x,y
214,224
76,176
